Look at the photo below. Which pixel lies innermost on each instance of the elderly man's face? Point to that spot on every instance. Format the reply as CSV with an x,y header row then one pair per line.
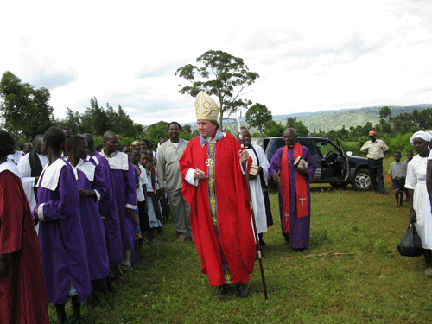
x,y
206,128
290,137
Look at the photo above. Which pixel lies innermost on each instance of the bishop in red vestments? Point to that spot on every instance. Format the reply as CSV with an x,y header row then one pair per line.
x,y
213,170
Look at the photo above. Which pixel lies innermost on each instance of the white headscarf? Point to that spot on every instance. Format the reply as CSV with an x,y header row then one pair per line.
x,y
425,135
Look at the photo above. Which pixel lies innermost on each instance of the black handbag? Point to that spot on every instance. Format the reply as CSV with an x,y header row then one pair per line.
x,y
410,245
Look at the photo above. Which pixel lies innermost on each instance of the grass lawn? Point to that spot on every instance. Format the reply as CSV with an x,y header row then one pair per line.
x,y
368,282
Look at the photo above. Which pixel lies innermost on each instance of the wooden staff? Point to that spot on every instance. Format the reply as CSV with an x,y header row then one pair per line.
x,y
258,246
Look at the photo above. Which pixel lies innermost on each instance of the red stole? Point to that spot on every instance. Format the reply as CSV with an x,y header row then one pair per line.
x,y
302,199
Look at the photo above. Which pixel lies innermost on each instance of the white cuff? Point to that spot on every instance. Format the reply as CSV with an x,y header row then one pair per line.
x,y
131,206
40,212
98,196
190,177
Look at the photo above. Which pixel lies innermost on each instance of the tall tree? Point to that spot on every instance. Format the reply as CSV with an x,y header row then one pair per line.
x,y
257,116
25,110
385,112
221,74
300,128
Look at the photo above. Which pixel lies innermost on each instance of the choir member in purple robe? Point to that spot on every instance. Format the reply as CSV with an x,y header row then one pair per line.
x,y
91,187
294,191
124,189
63,248
109,213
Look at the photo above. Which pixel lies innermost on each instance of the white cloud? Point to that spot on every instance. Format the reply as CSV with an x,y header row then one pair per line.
x,y
313,55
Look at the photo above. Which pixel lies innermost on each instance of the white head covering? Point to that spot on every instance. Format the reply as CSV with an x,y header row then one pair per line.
x,y
425,135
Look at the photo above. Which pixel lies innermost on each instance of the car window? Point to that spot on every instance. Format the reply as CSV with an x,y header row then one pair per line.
x,y
273,146
309,144
325,147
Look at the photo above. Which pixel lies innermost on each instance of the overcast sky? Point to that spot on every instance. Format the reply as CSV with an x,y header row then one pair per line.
x,y
310,55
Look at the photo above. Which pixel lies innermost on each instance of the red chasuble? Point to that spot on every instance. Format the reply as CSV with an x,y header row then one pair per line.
x,y
301,199
23,298
233,212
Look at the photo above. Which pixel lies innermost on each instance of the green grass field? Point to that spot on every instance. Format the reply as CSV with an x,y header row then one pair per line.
x,y
367,282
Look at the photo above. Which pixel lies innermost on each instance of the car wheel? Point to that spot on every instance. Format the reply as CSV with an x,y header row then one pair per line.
x,y
338,184
362,180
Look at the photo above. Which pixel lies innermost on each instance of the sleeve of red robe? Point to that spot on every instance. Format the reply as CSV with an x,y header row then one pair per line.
x,y
11,215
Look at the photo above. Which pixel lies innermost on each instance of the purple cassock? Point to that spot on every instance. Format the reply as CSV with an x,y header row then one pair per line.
x,y
299,227
124,191
91,178
109,213
63,248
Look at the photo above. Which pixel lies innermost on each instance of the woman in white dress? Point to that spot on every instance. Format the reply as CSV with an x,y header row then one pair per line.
x,y
420,209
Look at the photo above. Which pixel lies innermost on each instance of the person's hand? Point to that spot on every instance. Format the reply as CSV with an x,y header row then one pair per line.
x,y
303,171
252,176
199,174
413,217
128,212
276,178
4,267
84,193
243,155
37,179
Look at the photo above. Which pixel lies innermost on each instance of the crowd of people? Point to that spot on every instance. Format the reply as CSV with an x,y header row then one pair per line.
x,y
73,217
411,180
77,215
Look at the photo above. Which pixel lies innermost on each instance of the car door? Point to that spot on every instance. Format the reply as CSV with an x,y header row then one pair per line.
x,y
331,169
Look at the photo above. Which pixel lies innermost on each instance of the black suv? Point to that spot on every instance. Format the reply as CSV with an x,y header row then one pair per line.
x,y
333,165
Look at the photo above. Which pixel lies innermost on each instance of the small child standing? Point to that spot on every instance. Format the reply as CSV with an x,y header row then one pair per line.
x,y
154,212
397,173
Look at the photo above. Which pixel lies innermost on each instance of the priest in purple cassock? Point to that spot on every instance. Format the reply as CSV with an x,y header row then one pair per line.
x,y
297,168
63,248
108,211
124,190
91,187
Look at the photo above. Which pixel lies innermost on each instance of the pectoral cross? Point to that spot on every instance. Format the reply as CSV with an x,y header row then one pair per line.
x,y
302,199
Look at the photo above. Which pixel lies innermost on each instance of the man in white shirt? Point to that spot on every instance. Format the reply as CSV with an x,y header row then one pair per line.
x,y
375,150
31,166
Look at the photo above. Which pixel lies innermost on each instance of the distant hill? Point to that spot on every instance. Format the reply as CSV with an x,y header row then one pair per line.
x,y
331,119
335,119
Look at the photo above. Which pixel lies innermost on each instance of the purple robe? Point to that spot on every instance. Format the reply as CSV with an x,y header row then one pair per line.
x,y
299,227
108,210
124,191
61,238
92,224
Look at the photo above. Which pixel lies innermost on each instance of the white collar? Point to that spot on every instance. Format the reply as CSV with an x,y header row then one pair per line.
x,y
51,174
9,165
117,160
88,168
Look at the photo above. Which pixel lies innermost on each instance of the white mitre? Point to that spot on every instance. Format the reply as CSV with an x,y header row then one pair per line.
x,y
205,107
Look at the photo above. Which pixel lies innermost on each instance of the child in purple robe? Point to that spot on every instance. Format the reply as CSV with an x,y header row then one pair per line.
x,y
91,187
63,249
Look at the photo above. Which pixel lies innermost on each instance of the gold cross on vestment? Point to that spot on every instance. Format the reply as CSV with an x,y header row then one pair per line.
x,y
209,162
286,217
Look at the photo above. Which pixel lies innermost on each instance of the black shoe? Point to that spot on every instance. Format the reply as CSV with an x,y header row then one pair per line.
x,y
242,290
222,290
